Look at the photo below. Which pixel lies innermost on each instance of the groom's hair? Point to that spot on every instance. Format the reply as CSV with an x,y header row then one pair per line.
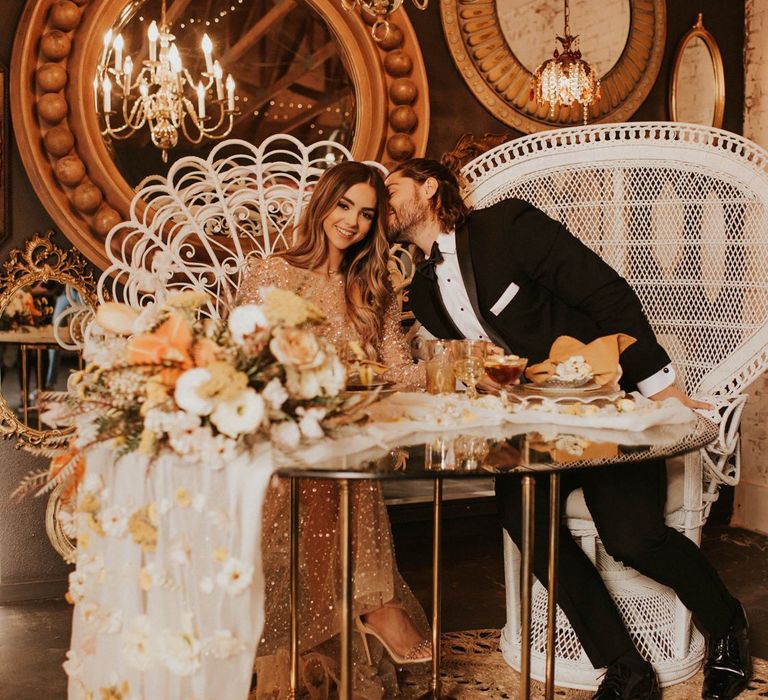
x,y
447,204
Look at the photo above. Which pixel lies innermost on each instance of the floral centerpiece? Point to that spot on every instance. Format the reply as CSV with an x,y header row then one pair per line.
x,y
24,310
165,381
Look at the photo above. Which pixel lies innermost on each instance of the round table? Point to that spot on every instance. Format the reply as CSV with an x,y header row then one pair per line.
x,y
474,453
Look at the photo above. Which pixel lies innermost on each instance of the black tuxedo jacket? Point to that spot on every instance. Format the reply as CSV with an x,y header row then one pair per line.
x,y
564,289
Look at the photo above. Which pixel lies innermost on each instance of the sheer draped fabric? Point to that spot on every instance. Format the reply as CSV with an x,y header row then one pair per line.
x,y
376,580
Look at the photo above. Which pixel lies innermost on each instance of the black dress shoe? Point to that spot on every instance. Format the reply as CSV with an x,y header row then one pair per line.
x,y
728,666
624,683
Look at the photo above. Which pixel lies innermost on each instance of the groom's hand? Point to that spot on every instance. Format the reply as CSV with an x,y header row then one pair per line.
x,y
675,393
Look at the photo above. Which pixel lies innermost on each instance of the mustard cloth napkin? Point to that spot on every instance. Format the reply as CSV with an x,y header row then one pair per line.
x,y
602,354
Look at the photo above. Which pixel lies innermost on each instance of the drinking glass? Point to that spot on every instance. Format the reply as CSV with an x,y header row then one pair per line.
x,y
468,356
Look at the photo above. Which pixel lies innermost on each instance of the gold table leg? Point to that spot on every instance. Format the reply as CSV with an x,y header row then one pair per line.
x,y
526,580
554,542
437,591
24,383
345,692
39,355
294,592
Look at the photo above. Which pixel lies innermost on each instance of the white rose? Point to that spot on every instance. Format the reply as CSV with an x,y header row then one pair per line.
x,y
302,385
275,394
244,320
333,376
186,395
240,415
286,434
116,318
296,348
309,423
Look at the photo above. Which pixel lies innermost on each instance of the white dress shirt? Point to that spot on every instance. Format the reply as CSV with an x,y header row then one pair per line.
x,y
459,308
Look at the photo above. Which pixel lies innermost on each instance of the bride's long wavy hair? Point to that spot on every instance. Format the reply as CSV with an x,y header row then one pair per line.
x,y
364,265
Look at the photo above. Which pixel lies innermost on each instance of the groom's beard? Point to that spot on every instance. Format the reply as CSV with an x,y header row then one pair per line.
x,y
405,221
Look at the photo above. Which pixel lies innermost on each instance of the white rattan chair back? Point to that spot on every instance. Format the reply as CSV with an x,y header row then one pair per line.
x,y
679,210
194,228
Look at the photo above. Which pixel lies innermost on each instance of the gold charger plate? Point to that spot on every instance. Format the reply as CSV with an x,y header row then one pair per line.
x,y
587,392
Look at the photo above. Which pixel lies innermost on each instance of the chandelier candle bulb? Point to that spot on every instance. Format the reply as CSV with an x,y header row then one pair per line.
x,y
106,87
230,93
107,40
218,74
201,100
152,35
207,46
118,45
96,93
127,71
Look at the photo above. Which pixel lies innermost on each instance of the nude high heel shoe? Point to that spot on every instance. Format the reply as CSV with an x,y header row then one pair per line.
x,y
410,658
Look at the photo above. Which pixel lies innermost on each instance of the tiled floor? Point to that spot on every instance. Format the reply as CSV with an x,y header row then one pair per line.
x,y
34,637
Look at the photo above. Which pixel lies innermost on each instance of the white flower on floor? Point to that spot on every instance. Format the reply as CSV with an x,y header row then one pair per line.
x,y
179,652
235,576
136,643
286,434
309,423
241,415
186,393
223,644
73,666
77,581
150,577
275,394
244,320
206,584
88,612
187,444
180,551
114,520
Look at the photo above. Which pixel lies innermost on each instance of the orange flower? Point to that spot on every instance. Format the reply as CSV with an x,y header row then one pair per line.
x,y
171,342
205,352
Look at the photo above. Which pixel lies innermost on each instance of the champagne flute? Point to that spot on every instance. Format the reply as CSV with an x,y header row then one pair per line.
x,y
468,363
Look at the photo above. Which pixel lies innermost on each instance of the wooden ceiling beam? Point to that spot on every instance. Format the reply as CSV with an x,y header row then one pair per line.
x,y
175,10
316,60
275,15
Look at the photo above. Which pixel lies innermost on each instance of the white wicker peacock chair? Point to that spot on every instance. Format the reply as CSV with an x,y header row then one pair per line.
x,y
681,212
195,228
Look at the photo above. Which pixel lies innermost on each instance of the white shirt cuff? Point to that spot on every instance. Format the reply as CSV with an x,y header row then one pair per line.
x,y
657,382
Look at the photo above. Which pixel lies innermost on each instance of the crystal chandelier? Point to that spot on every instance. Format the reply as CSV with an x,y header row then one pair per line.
x,y
163,96
380,10
566,78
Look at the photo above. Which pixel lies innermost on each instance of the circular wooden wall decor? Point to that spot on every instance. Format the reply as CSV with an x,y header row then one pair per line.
x,y
502,83
57,48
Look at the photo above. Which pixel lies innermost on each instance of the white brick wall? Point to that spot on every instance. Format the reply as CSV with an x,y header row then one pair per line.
x,y
751,505
529,27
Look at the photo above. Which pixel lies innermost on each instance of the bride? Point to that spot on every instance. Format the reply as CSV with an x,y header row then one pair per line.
x,y
338,262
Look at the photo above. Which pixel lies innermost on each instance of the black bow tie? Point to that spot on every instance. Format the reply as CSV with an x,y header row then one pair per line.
x,y
427,266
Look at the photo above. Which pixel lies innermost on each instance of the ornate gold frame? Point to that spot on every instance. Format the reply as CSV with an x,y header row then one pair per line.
x,y
40,260
698,31
503,85
57,45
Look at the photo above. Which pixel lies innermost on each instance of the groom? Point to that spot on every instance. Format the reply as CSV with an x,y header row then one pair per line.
x,y
513,276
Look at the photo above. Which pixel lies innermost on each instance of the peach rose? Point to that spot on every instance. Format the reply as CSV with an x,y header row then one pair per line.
x,y
296,348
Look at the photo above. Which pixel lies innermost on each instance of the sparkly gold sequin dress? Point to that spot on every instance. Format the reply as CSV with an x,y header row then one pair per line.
x,y
376,580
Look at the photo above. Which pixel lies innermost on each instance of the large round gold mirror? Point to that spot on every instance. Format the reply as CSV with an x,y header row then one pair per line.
x,y
45,297
697,87
498,44
306,67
